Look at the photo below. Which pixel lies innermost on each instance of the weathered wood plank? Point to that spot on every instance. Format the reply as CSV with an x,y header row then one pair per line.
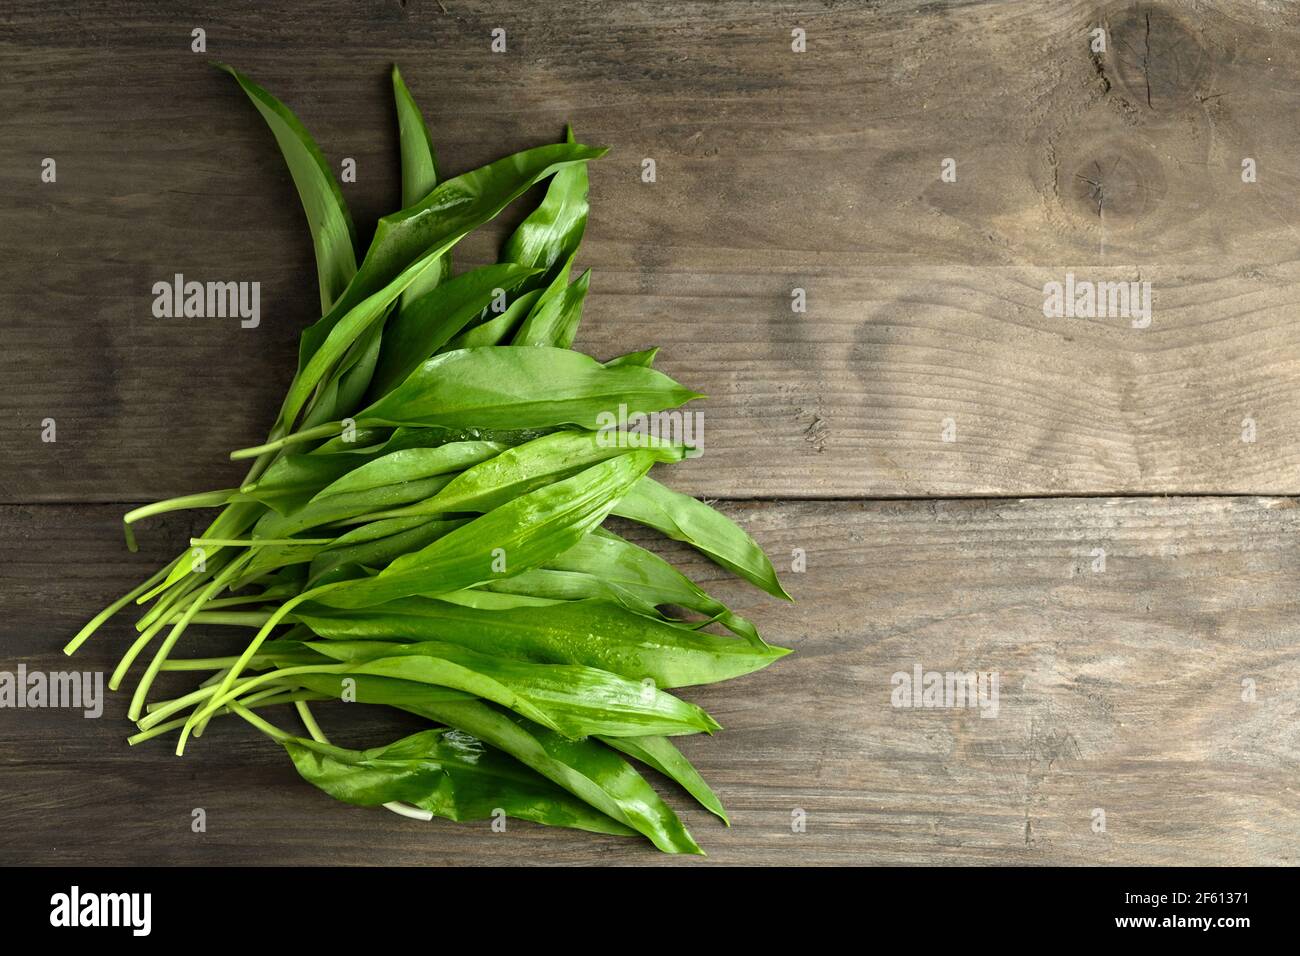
x,y
1120,690
775,170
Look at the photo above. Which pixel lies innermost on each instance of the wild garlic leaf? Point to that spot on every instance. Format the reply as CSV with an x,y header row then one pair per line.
x,y
358,688
292,480
592,633
372,441
410,464
438,221
497,329
448,773
644,358
419,159
606,557
427,324
661,754
345,505
352,379
586,768
332,232
522,468
419,178
548,238
571,699
688,519
514,387
553,585
380,550
344,333
492,600
555,321
516,536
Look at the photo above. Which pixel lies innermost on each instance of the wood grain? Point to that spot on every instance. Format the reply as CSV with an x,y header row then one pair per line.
x,y
775,170
1120,690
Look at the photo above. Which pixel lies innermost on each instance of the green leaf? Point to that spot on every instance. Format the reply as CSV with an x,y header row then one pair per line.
x,y
493,601
570,699
525,467
554,585
382,543
551,234
411,464
332,233
344,333
591,633
292,480
585,768
634,570
347,505
419,178
373,441
360,688
514,387
448,773
427,324
438,221
555,321
662,755
687,519
645,358
352,379
498,329
514,537
419,161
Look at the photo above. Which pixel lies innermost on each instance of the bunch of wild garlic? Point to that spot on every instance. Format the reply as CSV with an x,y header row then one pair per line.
x,y
423,525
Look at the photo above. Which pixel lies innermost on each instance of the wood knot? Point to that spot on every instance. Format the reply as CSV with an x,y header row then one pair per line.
x,y
1117,182
1155,59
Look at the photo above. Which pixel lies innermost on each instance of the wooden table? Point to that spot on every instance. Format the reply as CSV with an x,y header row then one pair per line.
x,y
1154,689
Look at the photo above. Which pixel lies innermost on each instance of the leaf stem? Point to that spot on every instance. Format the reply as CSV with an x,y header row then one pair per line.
x,y
309,721
142,689
205,499
230,618
328,430
270,697
266,727
132,652
223,697
256,542
206,663
97,621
